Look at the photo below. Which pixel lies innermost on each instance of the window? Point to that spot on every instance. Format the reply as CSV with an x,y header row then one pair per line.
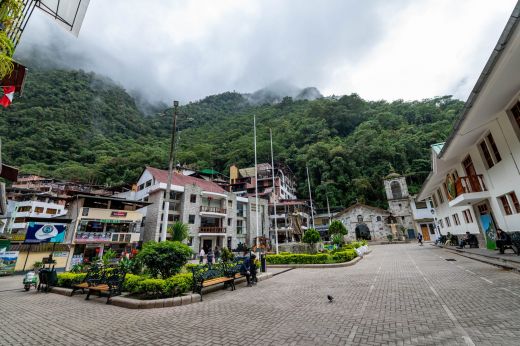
x,y
434,201
515,113
494,148
148,183
190,241
505,205
360,218
456,219
421,205
448,222
378,218
512,195
240,227
140,187
193,198
191,219
467,216
229,221
19,220
24,209
487,154
490,151
396,189
441,198
170,217
51,211
38,210
230,204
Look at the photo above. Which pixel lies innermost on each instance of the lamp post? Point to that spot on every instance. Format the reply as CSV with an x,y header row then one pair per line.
x,y
170,174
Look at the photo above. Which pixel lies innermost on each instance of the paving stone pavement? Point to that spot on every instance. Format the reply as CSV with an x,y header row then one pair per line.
x,y
397,295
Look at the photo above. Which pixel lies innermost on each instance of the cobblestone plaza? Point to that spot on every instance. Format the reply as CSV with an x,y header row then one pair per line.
x,y
397,295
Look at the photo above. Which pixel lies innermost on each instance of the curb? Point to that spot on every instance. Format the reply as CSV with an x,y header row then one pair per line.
x,y
485,259
319,266
190,298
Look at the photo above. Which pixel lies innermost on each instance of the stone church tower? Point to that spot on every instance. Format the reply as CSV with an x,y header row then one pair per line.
x,y
398,201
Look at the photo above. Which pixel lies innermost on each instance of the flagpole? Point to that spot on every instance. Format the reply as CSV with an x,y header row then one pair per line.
x,y
310,197
274,193
166,210
256,187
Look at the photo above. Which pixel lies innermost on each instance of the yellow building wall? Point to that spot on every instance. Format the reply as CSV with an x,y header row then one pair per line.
x,y
37,257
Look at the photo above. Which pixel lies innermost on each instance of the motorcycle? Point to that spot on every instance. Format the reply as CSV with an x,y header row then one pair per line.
x,y
30,279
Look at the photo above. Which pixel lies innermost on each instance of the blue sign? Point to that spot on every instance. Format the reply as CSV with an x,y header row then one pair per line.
x,y
45,233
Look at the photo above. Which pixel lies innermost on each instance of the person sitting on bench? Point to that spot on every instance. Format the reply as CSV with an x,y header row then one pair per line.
x,y
254,280
465,241
503,239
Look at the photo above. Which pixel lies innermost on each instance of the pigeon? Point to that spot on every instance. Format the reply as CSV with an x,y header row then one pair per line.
x,y
330,298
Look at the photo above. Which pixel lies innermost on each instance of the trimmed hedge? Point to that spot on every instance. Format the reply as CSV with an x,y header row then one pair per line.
x,y
323,258
69,279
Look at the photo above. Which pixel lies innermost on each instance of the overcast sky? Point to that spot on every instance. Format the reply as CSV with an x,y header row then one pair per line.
x,y
185,50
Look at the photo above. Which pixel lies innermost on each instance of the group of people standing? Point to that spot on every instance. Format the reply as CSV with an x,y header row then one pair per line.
x,y
211,256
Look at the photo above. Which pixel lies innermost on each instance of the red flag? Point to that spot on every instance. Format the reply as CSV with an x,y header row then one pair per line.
x,y
8,96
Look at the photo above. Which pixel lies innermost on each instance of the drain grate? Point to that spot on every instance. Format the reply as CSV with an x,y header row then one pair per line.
x,y
450,259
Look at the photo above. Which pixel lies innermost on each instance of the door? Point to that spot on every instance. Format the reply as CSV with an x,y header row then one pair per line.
x,y
206,245
471,173
425,232
487,222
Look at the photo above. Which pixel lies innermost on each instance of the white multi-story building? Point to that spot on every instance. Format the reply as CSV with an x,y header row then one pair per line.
x,y
215,217
474,184
32,208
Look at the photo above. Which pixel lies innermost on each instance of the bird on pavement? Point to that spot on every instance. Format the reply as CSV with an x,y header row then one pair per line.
x,y
330,298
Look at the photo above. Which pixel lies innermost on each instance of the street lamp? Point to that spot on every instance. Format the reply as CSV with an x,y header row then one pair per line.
x,y
170,174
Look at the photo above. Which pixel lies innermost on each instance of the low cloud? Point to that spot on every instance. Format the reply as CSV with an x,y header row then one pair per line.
x,y
185,50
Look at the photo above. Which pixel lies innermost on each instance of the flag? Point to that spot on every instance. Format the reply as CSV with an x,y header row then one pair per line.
x,y
8,96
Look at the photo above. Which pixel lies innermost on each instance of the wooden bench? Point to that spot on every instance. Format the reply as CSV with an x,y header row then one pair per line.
x,y
95,276
220,273
111,286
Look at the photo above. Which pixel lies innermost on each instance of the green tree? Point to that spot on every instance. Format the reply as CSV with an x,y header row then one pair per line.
x,y
337,227
311,236
179,231
165,258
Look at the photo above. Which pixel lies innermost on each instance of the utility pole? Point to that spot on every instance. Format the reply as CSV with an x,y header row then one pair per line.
x,y
310,196
170,174
256,189
274,193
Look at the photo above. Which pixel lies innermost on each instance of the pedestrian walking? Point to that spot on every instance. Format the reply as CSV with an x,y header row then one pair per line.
x,y
217,254
419,238
201,255
210,256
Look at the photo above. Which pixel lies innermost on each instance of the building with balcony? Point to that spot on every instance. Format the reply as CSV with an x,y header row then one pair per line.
x,y
37,205
215,217
101,223
474,184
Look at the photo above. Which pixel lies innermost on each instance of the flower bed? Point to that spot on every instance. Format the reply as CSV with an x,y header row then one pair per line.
x,y
321,258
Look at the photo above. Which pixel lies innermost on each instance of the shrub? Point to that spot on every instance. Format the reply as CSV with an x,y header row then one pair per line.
x,y
356,244
285,253
298,259
390,237
344,256
178,284
227,255
132,281
152,288
165,258
311,236
69,279
108,256
337,227
338,239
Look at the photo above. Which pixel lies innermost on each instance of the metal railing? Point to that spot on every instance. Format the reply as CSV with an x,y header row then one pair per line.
x,y
208,209
212,229
469,184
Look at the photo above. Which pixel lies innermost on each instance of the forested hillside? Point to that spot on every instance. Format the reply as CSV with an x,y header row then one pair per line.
x,y
76,125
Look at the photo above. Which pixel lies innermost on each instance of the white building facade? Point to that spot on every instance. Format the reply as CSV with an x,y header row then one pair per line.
x,y
474,184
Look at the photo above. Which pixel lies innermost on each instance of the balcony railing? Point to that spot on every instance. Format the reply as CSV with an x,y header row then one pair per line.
x,y
212,229
469,184
208,209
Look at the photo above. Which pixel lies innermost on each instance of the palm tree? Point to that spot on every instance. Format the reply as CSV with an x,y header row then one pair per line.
x,y
179,231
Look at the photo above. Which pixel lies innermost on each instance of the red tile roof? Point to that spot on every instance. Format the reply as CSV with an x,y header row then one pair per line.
x,y
161,175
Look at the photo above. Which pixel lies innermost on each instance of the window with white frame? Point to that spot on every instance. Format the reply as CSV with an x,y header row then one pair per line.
x,y
456,219
441,223
489,151
515,117
468,218
448,222
441,197
514,201
509,203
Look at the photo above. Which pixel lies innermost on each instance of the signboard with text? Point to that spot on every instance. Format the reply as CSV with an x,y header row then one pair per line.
x,y
45,233
8,262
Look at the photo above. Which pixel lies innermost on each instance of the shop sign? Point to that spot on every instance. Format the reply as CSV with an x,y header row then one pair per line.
x,y
8,262
93,237
109,221
45,233
76,259
119,213
60,254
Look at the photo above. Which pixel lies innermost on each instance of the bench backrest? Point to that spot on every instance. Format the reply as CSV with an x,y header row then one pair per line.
x,y
115,278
